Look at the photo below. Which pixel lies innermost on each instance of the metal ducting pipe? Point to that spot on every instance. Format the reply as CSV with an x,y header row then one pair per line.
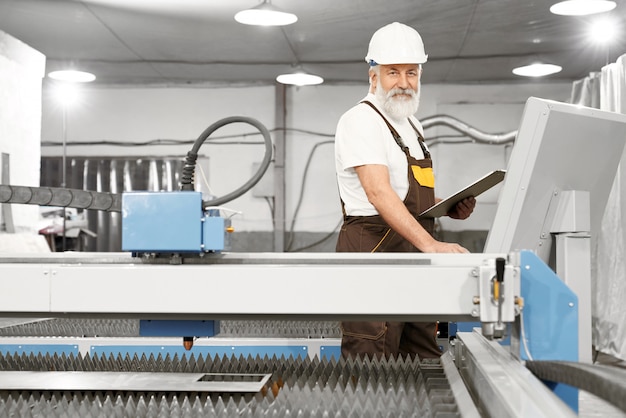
x,y
464,128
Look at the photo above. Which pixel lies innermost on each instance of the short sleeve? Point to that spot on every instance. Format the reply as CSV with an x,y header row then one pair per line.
x,y
359,139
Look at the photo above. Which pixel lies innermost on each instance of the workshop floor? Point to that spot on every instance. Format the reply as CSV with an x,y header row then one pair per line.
x,y
590,406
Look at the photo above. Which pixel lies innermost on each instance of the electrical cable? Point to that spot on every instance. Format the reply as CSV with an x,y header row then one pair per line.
x,y
152,142
233,212
190,161
321,240
187,178
301,196
216,140
523,334
427,123
270,204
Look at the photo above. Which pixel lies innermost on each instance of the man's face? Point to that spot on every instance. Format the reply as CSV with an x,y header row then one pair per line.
x,y
398,76
397,88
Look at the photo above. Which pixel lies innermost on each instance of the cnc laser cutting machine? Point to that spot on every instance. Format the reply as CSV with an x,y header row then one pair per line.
x,y
528,294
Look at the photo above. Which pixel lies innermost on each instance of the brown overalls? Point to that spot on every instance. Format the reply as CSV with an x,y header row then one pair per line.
x,y
372,234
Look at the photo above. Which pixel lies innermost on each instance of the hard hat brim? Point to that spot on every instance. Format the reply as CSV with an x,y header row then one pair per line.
x,y
373,62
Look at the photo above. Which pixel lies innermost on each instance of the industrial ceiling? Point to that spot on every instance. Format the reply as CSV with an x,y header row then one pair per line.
x,y
169,42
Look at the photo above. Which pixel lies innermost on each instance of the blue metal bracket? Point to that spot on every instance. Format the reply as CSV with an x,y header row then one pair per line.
x,y
178,328
550,319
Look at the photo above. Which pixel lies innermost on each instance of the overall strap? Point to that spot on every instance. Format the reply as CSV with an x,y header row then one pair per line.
x,y
394,133
420,139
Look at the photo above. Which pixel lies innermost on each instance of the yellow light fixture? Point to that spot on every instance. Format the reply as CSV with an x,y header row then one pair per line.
x,y
265,15
582,7
72,76
537,70
300,78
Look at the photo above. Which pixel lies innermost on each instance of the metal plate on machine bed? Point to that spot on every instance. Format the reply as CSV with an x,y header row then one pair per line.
x,y
359,387
133,382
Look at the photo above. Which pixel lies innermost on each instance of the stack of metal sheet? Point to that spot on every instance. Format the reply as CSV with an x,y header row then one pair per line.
x,y
300,387
69,327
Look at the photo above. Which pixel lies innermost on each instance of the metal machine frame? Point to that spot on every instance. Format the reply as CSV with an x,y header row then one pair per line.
x,y
449,287
311,287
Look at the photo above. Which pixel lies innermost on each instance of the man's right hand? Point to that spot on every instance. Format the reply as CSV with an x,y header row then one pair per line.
x,y
375,181
444,247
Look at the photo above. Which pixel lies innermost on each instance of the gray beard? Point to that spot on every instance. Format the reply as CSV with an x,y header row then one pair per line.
x,y
398,108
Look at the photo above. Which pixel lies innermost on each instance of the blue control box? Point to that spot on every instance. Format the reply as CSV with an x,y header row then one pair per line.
x,y
169,222
178,328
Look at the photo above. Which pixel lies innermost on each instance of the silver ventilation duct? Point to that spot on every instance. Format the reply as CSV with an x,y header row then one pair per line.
x,y
470,131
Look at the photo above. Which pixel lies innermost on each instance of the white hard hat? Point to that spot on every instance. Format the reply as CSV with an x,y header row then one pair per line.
x,y
396,43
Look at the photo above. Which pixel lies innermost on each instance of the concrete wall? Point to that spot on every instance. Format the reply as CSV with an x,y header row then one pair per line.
x,y
182,113
21,72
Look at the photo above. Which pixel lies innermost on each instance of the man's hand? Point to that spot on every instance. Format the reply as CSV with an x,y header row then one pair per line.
x,y
443,247
375,181
463,209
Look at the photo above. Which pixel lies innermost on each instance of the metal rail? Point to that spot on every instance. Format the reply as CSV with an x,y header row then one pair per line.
x,y
279,287
502,386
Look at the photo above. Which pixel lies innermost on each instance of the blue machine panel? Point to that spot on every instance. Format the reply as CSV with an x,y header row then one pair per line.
x,y
550,319
162,221
213,231
550,312
178,328
330,351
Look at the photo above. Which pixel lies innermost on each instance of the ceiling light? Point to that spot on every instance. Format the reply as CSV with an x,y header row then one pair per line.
x,y
265,15
72,76
582,7
66,94
537,70
603,31
300,78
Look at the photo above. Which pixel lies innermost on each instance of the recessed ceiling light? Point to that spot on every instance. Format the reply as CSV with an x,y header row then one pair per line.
x,y
265,15
537,70
300,78
72,76
582,7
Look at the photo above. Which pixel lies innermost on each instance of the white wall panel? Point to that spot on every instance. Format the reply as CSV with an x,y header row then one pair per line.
x,y
143,114
21,71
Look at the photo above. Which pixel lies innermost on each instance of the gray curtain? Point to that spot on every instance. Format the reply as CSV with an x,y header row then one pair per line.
x,y
606,90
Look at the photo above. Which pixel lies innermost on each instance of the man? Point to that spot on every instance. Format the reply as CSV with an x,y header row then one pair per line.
x,y
385,178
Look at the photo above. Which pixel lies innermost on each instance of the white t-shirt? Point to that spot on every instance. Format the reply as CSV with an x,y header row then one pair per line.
x,y
362,137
